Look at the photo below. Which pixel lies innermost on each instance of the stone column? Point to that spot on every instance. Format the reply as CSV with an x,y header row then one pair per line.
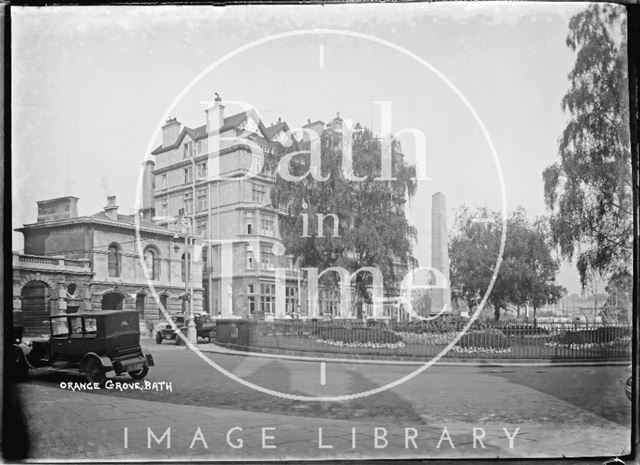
x,y
281,283
440,252
226,281
86,297
62,293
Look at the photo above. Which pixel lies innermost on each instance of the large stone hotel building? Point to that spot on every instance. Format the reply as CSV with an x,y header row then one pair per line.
x,y
228,202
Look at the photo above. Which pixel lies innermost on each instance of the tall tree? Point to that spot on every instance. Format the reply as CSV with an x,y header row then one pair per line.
x,y
588,191
372,226
473,251
539,268
528,270
619,290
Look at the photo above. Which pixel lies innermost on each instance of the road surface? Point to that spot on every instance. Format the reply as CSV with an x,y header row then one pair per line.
x,y
559,410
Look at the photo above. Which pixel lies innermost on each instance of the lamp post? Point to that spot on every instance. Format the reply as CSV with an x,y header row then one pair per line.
x,y
192,334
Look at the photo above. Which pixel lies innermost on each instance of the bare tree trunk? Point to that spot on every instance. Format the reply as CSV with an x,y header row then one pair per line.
x,y
496,313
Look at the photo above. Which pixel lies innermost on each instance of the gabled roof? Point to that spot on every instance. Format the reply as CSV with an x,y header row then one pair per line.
x,y
314,123
230,122
271,131
315,126
195,134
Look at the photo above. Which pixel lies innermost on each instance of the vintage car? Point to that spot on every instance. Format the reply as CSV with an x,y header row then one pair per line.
x,y
204,327
628,381
92,343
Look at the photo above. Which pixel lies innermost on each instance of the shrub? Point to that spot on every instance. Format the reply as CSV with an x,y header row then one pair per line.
x,y
594,336
486,339
523,330
442,324
361,335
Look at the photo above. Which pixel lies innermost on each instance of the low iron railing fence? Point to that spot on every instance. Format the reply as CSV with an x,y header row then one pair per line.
x,y
495,340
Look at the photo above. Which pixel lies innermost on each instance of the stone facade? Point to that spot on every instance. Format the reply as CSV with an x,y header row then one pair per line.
x,y
201,174
98,258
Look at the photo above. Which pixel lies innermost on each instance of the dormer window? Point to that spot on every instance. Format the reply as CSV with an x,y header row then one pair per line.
x,y
188,150
248,125
283,138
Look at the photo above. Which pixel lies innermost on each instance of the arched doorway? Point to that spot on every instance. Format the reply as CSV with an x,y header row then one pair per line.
x,y
35,307
112,301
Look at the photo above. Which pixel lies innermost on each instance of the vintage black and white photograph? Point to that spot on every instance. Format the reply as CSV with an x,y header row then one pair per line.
x,y
320,232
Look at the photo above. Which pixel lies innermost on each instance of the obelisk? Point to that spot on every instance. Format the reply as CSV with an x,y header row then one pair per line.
x,y
440,296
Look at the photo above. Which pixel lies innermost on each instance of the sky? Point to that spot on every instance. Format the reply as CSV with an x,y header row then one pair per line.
x,y
92,85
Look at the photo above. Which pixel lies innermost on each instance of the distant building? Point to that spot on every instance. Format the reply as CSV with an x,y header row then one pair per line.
x,y
75,263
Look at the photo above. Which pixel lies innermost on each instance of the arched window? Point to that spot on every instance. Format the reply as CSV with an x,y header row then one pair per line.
x,y
152,263
114,261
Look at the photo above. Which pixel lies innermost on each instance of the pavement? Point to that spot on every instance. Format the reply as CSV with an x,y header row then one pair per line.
x,y
64,425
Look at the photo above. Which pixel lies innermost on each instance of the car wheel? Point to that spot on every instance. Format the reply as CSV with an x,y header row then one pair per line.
x,y
139,374
22,369
95,372
159,338
178,341
627,387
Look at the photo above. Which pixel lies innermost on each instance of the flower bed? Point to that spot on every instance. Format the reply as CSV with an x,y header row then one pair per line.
x,y
427,338
480,350
363,345
439,325
589,345
357,335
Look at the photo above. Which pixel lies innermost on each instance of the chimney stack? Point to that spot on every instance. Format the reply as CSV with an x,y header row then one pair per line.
x,y
62,208
215,115
148,189
170,132
111,210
